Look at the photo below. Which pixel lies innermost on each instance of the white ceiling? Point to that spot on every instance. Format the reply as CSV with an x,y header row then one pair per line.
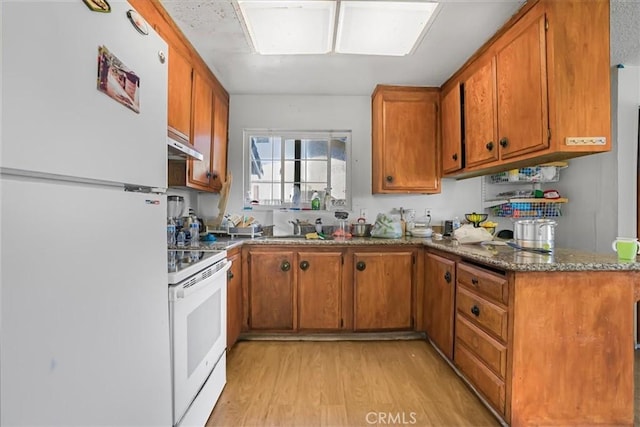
x,y
459,28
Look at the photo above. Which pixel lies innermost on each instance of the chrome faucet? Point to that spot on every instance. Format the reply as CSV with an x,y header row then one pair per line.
x,y
296,227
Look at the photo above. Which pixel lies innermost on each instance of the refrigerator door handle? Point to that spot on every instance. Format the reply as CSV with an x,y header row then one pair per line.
x,y
143,189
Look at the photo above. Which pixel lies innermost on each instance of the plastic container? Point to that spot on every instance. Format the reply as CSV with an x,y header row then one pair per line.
x,y
181,239
194,232
171,235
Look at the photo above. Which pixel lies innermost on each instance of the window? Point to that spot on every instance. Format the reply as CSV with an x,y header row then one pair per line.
x,y
283,169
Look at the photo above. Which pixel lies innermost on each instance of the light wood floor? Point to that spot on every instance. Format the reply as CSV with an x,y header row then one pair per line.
x,y
344,383
341,383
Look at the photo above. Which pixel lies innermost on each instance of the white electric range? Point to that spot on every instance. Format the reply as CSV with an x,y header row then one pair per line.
x,y
198,320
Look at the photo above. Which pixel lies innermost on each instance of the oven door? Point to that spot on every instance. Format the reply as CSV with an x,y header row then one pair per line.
x,y
198,311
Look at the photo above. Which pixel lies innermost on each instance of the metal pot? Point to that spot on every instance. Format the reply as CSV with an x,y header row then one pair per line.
x,y
360,228
534,233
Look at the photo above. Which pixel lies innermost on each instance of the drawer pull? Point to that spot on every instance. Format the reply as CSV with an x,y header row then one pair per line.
x,y
285,266
360,266
504,142
229,275
304,265
447,277
489,145
475,310
455,157
389,178
474,281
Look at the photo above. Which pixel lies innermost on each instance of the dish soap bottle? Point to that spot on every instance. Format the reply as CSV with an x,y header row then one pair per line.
x,y
315,201
327,199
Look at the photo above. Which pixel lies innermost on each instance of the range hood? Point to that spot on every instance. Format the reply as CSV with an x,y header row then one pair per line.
x,y
178,149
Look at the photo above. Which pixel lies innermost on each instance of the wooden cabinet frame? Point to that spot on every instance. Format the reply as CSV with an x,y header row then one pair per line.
x,y
346,298
567,85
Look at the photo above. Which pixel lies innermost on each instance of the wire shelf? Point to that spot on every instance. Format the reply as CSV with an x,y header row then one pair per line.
x,y
529,208
526,175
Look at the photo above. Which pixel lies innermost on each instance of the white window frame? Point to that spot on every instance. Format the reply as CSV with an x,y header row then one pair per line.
x,y
286,134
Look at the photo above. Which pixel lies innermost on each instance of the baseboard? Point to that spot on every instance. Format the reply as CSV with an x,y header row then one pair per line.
x,y
356,336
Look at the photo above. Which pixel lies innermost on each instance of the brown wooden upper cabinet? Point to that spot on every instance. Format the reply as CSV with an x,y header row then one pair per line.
x,y
405,140
451,117
198,106
180,82
537,91
209,115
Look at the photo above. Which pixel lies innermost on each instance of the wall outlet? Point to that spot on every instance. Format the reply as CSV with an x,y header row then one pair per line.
x,y
586,140
363,213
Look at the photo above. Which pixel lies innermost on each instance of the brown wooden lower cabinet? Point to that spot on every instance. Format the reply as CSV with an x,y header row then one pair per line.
x,y
488,383
383,290
548,348
335,288
234,297
271,289
439,297
320,290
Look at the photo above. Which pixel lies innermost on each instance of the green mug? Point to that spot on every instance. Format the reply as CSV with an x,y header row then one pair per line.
x,y
626,247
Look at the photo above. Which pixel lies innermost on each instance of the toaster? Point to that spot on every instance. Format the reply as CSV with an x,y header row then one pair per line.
x,y
447,228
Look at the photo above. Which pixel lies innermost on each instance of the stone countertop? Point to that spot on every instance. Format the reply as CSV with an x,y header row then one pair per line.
x,y
503,257
507,258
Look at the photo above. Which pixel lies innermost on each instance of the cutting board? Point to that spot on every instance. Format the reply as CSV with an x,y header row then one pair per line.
x,y
222,203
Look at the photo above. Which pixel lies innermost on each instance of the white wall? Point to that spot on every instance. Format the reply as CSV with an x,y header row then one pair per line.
x,y
602,188
332,113
598,210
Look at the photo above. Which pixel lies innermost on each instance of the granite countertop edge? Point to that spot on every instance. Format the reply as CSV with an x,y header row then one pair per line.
x,y
502,257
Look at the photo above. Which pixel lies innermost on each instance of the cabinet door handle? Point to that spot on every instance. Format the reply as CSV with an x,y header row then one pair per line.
x,y
229,275
475,310
455,156
304,265
474,281
504,142
285,266
360,266
447,277
489,145
389,178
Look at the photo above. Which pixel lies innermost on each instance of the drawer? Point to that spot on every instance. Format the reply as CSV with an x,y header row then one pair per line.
x,y
483,313
485,282
485,381
490,351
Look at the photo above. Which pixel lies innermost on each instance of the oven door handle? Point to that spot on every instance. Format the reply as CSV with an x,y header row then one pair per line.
x,y
184,293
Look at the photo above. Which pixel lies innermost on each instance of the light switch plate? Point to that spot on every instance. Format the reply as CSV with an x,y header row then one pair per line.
x,y
586,140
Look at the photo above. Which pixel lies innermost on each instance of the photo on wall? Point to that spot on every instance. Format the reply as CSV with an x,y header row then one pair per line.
x,y
117,80
98,5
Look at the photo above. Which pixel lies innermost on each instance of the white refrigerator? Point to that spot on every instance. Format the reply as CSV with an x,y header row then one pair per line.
x,y
83,293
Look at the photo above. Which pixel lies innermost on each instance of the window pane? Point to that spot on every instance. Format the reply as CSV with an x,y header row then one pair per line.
x,y
313,164
315,171
288,193
339,148
315,149
289,149
289,169
267,194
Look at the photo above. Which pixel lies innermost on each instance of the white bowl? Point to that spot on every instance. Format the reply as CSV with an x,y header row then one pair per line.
x,y
421,232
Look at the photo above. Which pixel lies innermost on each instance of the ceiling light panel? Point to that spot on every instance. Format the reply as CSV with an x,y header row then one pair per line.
x,y
289,27
381,27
